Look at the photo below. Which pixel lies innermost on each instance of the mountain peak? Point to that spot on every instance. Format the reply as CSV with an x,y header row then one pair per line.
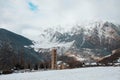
x,y
102,35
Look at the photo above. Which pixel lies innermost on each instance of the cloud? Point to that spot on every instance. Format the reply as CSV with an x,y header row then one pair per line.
x,y
22,16
31,32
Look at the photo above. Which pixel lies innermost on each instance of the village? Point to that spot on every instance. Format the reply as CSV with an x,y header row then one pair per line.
x,y
69,61
110,60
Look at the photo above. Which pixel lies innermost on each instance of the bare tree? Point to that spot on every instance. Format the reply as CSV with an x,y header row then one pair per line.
x,y
6,56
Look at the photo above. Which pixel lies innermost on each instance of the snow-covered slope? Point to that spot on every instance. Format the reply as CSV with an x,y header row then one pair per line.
x,y
48,38
95,73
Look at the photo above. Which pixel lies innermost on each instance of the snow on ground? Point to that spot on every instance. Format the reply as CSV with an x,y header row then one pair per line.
x,y
93,73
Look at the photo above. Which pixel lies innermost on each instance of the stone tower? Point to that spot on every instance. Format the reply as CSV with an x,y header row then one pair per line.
x,y
54,59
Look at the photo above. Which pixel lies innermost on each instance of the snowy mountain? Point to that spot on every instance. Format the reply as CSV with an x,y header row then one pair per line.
x,y
100,37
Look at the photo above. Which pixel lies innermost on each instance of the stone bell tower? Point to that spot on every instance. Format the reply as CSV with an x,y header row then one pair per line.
x,y
54,59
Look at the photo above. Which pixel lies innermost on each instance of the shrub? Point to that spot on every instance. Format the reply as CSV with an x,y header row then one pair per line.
x,y
7,71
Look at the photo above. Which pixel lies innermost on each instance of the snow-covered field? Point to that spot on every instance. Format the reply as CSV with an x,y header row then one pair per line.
x,y
94,73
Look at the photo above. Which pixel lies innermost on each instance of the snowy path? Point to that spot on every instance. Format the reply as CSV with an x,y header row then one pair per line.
x,y
96,73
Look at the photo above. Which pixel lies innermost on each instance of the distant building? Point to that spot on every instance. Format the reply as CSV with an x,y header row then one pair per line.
x,y
62,65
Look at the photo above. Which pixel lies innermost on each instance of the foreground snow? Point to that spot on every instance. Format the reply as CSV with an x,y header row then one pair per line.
x,y
95,73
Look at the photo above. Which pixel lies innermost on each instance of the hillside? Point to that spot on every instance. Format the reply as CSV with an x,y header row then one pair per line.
x,y
13,47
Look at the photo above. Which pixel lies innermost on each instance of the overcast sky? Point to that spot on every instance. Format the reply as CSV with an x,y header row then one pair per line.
x,y
27,17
